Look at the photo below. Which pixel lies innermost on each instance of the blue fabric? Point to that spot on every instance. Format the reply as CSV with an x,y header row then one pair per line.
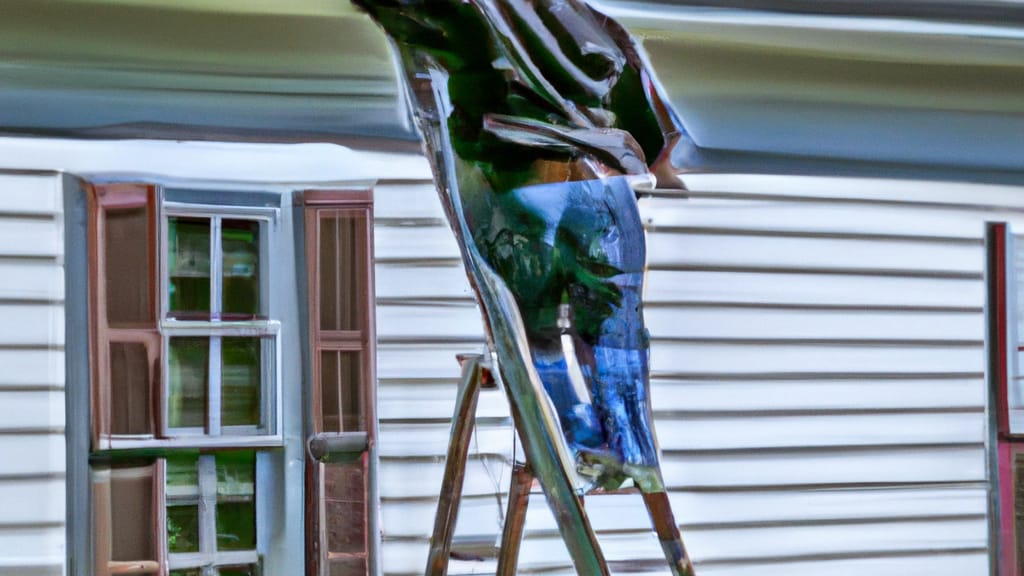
x,y
581,243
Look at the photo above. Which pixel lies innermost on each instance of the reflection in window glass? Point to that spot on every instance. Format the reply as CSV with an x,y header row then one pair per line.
x,y
183,528
240,381
188,373
182,493
188,265
236,507
241,248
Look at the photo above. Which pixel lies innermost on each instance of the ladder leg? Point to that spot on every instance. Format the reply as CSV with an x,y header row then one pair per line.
x,y
515,520
463,421
668,533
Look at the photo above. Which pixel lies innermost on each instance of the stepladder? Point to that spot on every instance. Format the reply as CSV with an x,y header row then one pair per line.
x,y
478,374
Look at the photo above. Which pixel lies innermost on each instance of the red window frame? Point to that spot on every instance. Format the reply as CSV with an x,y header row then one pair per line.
x,y
1009,447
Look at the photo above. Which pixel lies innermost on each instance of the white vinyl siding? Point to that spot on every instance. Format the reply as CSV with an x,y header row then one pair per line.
x,y
32,476
818,380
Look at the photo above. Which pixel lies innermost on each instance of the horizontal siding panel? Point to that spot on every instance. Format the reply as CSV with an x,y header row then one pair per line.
x,y
460,321
31,409
666,250
812,218
418,440
778,288
777,542
932,564
956,563
33,547
31,367
682,322
32,238
412,201
860,539
36,454
870,189
411,282
25,194
38,501
412,361
408,242
413,478
696,433
412,401
27,280
31,324
696,357
823,395
478,517
857,540
825,467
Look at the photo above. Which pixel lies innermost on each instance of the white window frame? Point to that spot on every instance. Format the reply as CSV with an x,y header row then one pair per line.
x,y
208,559
269,330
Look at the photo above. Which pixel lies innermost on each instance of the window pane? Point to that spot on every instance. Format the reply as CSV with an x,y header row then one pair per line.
x,y
127,256
236,506
182,528
188,374
240,381
182,479
342,270
131,515
130,389
344,499
240,241
236,474
236,525
188,265
341,391
182,494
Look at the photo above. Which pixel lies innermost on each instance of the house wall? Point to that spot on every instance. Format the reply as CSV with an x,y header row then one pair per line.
x,y
32,488
818,381
37,474
818,364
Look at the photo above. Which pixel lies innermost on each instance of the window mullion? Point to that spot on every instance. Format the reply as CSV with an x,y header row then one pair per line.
x,y
216,267
207,507
213,399
216,290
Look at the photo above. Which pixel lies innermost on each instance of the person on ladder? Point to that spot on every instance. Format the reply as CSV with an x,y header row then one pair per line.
x,y
541,119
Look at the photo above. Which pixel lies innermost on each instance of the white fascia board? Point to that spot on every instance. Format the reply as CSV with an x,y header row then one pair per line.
x,y
169,162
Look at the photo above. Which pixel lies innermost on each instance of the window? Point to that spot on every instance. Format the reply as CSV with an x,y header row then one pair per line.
x,y
1006,321
188,465
338,254
188,356
211,514
185,354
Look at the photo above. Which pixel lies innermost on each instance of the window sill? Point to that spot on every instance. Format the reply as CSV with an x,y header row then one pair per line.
x,y
156,446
